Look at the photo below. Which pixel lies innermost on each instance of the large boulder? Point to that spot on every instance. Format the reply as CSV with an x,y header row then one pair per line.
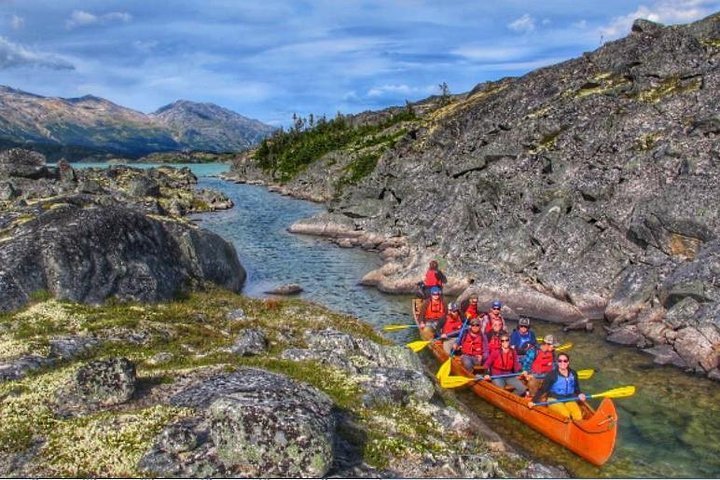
x,y
250,423
87,252
18,162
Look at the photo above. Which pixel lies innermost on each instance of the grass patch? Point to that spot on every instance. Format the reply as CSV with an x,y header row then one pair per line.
x,y
669,86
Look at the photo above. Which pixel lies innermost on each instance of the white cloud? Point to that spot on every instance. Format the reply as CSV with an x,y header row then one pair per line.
x,y
81,18
524,24
14,55
582,24
663,11
400,89
481,53
17,22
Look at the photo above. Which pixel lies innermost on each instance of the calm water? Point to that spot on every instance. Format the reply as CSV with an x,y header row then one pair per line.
x,y
669,428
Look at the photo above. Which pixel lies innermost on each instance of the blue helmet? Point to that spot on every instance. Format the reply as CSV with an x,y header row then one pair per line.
x,y
496,304
435,290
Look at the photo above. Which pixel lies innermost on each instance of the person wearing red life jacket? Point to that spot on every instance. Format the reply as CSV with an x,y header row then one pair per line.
x,y
472,346
433,310
494,335
502,362
434,277
492,315
544,359
450,328
469,307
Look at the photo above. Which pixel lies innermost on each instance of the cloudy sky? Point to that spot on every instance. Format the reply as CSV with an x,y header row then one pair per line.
x,y
268,59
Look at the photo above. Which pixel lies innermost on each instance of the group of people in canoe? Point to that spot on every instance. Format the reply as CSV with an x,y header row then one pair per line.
x,y
516,361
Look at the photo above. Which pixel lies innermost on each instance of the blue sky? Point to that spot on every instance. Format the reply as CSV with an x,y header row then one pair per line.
x,y
268,59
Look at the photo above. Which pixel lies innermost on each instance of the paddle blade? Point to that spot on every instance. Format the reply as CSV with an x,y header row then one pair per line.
x,y
454,381
392,328
418,345
444,369
619,392
585,374
564,347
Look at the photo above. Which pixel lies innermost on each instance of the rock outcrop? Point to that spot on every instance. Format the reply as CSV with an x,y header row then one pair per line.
x,y
117,241
580,190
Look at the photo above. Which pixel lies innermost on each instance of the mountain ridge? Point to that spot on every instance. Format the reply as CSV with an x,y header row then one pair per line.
x,y
91,126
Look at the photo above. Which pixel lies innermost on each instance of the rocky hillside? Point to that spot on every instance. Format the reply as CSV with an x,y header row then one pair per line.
x,y
211,128
89,126
584,190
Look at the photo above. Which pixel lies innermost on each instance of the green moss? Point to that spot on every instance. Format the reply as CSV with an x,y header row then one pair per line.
x,y
646,142
669,86
604,83
105,444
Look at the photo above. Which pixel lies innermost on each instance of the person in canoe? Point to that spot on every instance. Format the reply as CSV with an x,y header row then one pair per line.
x,y
493,315
450,328
433,310
502,362
522,338
434,277
539,362
558,384
469,307
494,336
472,346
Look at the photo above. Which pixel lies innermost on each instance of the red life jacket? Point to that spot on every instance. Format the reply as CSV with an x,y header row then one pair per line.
x,y
543,362
453,322
492,316
493,339
471,311
503,362
435,309
431,279
472,344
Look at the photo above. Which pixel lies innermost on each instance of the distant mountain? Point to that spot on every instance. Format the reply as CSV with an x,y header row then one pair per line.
x,y
76,128
209,127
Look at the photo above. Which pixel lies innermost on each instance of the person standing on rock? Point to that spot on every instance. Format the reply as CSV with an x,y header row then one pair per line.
x,y
558,384
434,277
473,346
493,315
433,310
451,327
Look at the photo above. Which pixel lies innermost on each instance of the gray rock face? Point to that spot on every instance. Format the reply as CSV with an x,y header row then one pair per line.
x,y
251,423
250,342
387,374
576,183
106,382
22,163
86,252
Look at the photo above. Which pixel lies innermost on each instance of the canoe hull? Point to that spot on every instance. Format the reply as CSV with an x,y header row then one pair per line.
x,y
593,438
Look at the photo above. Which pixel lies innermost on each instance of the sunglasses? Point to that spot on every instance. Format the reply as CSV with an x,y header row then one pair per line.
x,y
563,361
504,340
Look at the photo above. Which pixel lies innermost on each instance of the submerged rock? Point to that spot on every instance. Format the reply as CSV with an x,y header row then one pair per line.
x,y
287,289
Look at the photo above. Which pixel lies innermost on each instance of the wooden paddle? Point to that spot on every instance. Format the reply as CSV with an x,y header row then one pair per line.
x,y
456,381
619,392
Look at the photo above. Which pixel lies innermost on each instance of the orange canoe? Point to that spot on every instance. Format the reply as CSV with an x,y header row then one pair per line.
x,y
593,438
